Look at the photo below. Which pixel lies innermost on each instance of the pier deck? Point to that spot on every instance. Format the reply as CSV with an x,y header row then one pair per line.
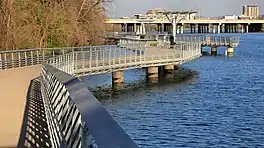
x,y
13,90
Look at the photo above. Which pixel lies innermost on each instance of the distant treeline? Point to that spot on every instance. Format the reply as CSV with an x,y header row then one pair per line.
x,y
50,23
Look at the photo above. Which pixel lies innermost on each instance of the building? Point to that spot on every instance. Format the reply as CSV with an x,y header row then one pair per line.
x,y
231,17
251,11
159,13
155,11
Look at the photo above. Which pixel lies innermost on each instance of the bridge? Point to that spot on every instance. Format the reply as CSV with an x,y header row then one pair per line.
x,y
51,107
163,40
195,25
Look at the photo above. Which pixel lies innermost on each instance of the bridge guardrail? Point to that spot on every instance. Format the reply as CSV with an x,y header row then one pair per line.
x,y
210,40
124,57
29,57
75,117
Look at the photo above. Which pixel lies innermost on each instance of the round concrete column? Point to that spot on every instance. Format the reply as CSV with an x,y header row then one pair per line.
x,y
213,51
169,68
118,77
230,51
153,74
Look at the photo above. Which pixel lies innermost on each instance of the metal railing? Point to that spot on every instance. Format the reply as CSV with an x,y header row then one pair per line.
x,y
29,57
75,118
93,61
210,40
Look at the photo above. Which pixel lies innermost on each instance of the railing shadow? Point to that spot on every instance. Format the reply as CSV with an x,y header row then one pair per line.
x,y
34,130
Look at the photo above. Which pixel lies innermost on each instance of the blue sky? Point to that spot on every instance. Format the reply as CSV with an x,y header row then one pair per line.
x,y
206,7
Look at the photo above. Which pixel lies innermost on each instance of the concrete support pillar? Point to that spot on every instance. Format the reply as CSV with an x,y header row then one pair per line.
x,y
214,30
153,74
143,28
118,79
178,30
218,28
169,68
162,28
182,27
247,28
214,50
242,28
125,27
209,28
230,51
135,27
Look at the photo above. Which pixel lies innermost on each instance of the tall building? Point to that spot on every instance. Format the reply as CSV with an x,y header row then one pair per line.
x,y
251,11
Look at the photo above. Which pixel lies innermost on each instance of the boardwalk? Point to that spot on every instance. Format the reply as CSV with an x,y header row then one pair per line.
x,y
75,61
106,60
13,90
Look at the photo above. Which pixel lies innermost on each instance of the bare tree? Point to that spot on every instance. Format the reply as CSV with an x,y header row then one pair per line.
x,y
51,23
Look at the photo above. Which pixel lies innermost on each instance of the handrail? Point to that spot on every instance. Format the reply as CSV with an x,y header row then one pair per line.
x,y
75,117
126,56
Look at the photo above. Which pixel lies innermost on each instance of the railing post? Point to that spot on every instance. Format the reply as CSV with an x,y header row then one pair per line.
x,y
43,56
1,64
130,56
37,56
135,55
91,55
19,59
26,61
125,58
83,59
13,61
32,58
96,58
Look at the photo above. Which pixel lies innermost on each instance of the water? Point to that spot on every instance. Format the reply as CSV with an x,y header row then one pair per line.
x,y
219,104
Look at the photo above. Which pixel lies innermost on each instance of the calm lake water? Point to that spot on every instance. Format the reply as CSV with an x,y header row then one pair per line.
x,y
213,101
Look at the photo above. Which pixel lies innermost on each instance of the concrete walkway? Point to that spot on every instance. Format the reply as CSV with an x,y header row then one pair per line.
x,y
13,90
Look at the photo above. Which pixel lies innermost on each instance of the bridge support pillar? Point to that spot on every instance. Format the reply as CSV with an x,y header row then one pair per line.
x,y
213,50
230,51
153,74
118,78
135,28
125,29
182,28
218,29
247,28
169,68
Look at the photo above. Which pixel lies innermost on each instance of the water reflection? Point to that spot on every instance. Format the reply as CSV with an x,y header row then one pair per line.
x,y
103,92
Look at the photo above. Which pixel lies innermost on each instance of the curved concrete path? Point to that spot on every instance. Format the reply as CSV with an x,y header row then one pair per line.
x,y
13,90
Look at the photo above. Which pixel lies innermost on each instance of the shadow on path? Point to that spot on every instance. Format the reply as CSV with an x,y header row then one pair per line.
x,y
34,130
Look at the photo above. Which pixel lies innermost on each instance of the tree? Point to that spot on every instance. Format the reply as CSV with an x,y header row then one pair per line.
x,y
51,23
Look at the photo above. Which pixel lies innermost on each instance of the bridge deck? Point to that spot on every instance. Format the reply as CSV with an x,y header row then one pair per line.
x,y
14,84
